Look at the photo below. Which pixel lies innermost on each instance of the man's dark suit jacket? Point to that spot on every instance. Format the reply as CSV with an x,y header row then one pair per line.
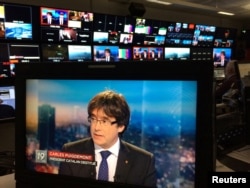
x,y
134,165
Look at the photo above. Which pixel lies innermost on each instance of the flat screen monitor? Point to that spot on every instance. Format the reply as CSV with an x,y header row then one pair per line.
x,y
142,26
109,23
125,53
221,56
129,24
175,53
7,99
225,37
66,53
159,27
24,53
143,53
100,37
155,40
55,52
5,70
65,25
106,53
126,38
179,34
203,35
170,120
16,22
80,53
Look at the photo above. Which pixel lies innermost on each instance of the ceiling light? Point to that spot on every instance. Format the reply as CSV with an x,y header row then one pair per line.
x,y
160,2
226,13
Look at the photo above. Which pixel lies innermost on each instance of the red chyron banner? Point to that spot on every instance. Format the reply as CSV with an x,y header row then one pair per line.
x,y
65,155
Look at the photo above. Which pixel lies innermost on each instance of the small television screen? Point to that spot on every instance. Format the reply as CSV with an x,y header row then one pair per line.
x,y
113,37
24,53
129,24
109,23
179,34
5,70
14,24
147,53
138,39
154,40
99,22
100,37
171,53
51,16
80,53
142,27
125,53
167,141
225,37
54,52
106,53
140,53
7,99
158,27
67,35
126,38
65,26
203,35
221,56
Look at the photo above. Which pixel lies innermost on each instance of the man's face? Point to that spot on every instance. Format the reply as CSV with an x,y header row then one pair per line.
x,y
107,53
104,135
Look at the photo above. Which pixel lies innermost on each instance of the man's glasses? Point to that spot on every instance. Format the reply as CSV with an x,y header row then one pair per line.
x,y
102,122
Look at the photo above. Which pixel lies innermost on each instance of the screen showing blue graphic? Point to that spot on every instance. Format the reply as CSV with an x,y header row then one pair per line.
x,y
16,22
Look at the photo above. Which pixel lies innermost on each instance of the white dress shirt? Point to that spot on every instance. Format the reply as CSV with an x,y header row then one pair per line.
x,y
112,159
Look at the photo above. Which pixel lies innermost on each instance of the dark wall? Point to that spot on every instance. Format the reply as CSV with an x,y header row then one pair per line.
x,y
7,136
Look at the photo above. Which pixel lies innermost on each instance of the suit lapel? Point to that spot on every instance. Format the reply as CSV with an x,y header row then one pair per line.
x,y
88,170
124,163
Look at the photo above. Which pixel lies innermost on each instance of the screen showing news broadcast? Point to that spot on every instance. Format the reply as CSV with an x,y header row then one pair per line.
x,y
80,53
176,53
106,53
203,35
162,121
225,37
55,52
221,56
24,53
14,24
147,53
180,34
66,26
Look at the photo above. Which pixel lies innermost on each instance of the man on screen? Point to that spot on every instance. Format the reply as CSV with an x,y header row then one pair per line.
x,y
108,115
107,55
222,61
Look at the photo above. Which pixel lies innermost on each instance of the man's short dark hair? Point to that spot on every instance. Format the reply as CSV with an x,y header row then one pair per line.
x,y
113,104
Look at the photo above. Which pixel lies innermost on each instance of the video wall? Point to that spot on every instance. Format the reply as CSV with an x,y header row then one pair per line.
x,y
46,34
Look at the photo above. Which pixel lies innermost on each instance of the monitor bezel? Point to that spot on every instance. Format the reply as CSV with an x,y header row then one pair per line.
x,y
202,72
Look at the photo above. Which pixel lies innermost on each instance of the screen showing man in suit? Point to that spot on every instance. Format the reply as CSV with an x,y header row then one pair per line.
x,y
109,115
72,121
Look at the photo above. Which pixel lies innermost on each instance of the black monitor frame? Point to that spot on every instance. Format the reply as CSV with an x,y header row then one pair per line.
x,y
202,72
